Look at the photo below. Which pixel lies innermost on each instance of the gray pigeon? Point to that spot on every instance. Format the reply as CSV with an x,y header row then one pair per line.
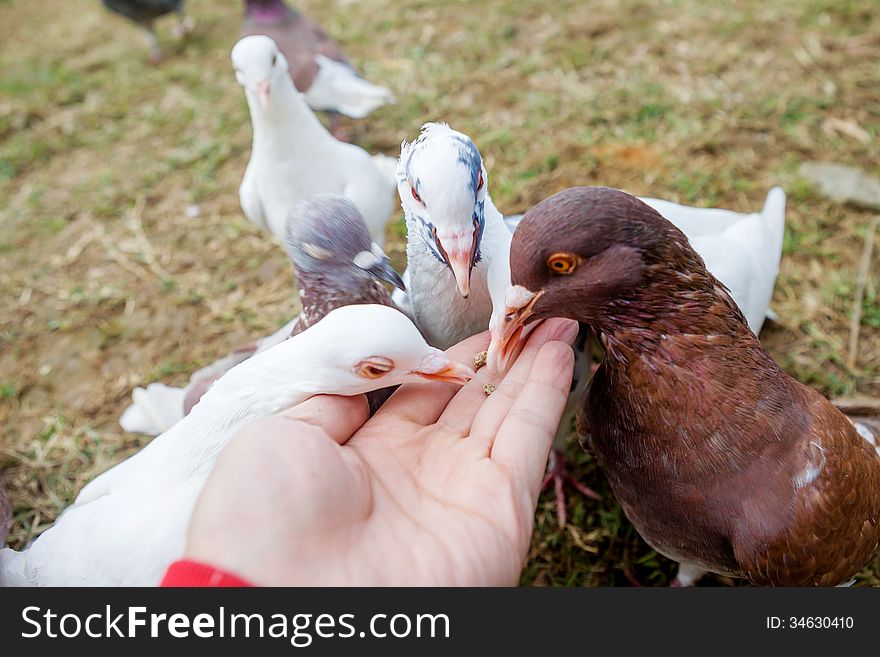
x,y
335,264
145,12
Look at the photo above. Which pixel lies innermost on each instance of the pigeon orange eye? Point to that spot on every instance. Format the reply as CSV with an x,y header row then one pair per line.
x,y
562,263
374,367
415,194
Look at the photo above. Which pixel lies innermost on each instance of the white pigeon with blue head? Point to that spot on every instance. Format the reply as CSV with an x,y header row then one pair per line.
x,y
294,157
129,524
457,240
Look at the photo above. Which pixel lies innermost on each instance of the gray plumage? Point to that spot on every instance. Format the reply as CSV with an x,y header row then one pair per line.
x,y
335,262
144,12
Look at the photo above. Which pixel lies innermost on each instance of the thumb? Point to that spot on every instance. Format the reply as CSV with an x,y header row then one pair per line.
x,y
339,417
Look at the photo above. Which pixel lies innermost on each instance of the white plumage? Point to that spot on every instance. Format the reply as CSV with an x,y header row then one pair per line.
x,y
294,157
338,88
129,523
740,250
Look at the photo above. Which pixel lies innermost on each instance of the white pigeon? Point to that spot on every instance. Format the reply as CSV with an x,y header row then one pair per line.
x,y
457,241
129,523
335,265
294,157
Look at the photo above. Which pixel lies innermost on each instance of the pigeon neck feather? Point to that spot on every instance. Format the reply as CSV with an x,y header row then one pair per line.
x,y
265,384
286,124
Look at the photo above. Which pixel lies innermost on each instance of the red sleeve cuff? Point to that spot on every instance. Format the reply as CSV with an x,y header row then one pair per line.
x,y
186,573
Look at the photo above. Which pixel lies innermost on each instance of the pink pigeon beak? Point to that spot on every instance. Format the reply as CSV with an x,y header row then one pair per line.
x,y
459,253
507,339
437,367
262,89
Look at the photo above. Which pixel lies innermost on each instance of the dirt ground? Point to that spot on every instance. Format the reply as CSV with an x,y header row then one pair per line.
x,y
109,282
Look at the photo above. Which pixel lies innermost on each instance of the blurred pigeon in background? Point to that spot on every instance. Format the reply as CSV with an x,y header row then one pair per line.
x,y
145,12
318,66
335,265
293,156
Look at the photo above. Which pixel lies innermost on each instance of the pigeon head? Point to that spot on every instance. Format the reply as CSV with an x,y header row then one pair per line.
x,y
602,257
258,64
359,348
329,243
443,188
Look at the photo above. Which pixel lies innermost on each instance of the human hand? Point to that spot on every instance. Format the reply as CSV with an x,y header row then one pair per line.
x,y
438,488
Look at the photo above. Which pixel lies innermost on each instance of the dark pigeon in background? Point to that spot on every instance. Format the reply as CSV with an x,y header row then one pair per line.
x,y
336,264
145,12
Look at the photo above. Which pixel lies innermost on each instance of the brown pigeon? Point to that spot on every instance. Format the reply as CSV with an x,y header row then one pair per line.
x,y
720,459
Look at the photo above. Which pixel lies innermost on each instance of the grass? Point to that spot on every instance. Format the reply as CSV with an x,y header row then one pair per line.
x,y
705,103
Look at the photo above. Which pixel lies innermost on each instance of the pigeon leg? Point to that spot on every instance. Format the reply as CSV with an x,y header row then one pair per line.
x,y
185,24
558,474
336,128
155,55
687,575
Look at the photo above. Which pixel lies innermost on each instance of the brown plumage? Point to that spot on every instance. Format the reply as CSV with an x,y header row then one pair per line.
x,y
717,456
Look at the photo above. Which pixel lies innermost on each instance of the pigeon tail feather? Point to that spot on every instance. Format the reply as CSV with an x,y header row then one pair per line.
x,y
387,166
154,409
337,87
13,568
774,212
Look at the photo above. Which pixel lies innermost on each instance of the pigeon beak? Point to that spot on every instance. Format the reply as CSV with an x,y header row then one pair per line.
x,y
508,337
383,271
448,371
459,254
262,89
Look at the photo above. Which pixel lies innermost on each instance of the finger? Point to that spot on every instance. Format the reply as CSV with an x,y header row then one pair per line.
x,y
524,439
488,421
420,404
464,415
338,417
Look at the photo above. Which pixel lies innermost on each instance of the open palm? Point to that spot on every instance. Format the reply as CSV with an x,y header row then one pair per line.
x,y
438,488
